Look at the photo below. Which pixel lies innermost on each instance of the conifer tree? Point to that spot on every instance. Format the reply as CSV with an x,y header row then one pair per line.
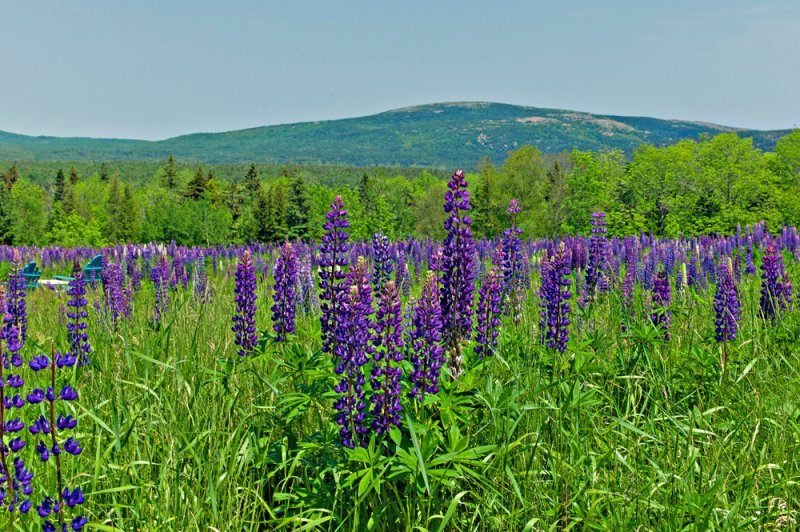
x,y
104,172
113,207
58,193
252,183
128,216
298,209
73,176
68,202
278,200
196,187
11,177
170,174
262,216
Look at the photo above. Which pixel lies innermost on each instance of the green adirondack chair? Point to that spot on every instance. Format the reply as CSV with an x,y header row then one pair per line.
x,y
32,275
91,272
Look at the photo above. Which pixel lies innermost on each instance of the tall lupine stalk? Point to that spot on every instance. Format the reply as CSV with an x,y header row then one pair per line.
x,y
77,327
353,348
202,290
283,296
51,432
244,319
16,297
306,286
382,262
487,326
159,275
554,296
596,270
402,276
771,286
15,486
332,274
428,354
458,271
512,265
116,297
661,297
386,371
727,310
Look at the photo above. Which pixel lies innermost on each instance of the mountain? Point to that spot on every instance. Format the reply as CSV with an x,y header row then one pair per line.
x,y
436,135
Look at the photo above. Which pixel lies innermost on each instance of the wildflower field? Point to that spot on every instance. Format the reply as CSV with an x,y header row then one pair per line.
x,y
585,382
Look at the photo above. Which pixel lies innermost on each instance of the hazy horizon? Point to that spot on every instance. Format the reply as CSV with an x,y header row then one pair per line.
x,y
152,70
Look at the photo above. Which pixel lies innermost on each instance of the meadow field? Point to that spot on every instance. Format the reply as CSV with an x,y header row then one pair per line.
x,y
583,382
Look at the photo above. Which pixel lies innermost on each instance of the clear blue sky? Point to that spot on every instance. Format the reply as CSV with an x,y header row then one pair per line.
x,y
153,69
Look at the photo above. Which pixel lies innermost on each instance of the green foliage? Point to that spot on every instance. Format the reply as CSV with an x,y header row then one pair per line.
x,y
72,230
26,212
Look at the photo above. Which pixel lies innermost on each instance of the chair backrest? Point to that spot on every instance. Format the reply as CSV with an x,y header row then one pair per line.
x,y
32,275
94,265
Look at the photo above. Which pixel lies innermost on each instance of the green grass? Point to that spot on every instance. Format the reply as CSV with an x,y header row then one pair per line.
x,y
624,431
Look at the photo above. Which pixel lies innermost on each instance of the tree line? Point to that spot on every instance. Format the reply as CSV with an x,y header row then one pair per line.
x,y
710,185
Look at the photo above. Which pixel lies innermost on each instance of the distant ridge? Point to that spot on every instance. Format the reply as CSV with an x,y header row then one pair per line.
x,y
436,135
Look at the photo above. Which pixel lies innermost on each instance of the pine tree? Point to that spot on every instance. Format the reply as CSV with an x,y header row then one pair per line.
x,y
113,207
68,202
278,198
11,177
262,216
56,216
484,225
128,216
252,183
298,209
170,174
73,176
58,194
103,172
196,187
366,196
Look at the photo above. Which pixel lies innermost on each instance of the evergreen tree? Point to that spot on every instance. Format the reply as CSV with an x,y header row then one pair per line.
x,y
196,187
113,207
128,216
5,221
103,172
170,174
252,183
68,202
58,193
263,217
485,224
11,177
366,196
278,200
55,218
298,209
73,176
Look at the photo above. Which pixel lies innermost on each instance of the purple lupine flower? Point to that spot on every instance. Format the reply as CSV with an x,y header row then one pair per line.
x,y
353,347
332,261
402,276
116,299
554,296
159,275
513,289
202,290
15,486
749,268
16,303
428,354
382,262
306,287
244,319
596,274
487,327
53,509
283,311
727,308
661,297
386,371
77,334
458,271
786,291
629,283
770,282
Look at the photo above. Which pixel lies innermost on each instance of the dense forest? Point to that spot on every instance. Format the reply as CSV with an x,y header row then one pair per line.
x,y
693,187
